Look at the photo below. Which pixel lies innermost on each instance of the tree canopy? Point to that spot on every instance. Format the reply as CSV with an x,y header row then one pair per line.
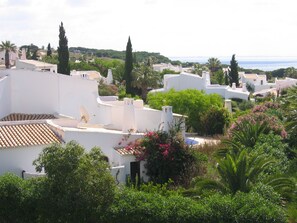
x,y
63,53
78,186
128,68
233,75
7,46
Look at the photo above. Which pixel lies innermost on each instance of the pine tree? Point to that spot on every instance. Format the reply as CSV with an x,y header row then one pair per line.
x,y
63,53
234,72
128,68
49,50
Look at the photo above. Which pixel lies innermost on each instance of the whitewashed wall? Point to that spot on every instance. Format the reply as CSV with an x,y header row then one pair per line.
x,y
5,105
33,92
15,160
76,93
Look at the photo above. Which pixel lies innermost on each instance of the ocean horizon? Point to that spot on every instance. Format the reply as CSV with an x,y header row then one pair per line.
x,y
249,62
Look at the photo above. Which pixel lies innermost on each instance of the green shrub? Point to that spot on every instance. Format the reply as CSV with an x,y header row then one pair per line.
x,y
136,206
252,207
11,198
214,121
78,186
190,102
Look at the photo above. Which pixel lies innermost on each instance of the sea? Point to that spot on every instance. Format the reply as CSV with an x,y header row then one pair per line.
x,y
249,62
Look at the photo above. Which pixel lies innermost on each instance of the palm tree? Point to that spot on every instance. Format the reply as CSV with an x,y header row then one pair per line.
x,y
240,172
214,64
8,47
145,77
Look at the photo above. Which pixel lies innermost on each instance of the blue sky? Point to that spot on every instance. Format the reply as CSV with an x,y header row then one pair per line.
x,y
172,27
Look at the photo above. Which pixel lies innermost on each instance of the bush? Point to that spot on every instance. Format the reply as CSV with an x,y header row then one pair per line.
x,y
78,186
272,146
17,199
190,102
214,121
11,198
167,157
137,206
107,90
252,207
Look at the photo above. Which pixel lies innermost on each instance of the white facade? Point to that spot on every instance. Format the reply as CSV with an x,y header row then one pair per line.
x,y
87,74
258,81
285,83
185,81
82,116
167,66
35,65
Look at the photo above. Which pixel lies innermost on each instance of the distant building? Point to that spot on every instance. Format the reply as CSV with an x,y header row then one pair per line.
x,y
185,81
35,65
257,81
167,66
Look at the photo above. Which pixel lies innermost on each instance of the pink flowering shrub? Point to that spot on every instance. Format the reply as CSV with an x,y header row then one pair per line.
x,y
166,155
265,106
264,114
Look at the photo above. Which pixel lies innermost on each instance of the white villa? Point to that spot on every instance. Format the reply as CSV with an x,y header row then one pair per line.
x,y
262,87
259,81
167,66
193,81
40,108
93,75
35,65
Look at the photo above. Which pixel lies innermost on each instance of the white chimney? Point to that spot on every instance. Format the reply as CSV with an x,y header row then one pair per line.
x,y
166,118
128,115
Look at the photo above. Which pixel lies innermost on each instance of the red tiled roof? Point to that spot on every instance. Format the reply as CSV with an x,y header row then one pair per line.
x,y
27,135
23,117
128,151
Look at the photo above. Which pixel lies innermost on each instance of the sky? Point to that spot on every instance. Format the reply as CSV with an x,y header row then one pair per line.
x,y
174,28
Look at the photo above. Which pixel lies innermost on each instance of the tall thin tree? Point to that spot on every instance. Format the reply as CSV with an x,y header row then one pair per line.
x,y
63,53
128,68
49,50
234,71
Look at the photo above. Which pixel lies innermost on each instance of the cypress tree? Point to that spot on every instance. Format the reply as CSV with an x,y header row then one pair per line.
x,y
63,53
49,50
234,71
128,68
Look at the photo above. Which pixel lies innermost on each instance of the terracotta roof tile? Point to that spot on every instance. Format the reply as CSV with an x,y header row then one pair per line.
x,y
27,135
125,151
23,117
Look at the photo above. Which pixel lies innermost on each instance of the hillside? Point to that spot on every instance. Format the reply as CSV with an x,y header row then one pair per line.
x,y
140,55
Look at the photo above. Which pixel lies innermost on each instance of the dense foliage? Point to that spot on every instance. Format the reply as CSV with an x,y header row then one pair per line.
x,y
166,156
195,105
141,56
137,206
77,188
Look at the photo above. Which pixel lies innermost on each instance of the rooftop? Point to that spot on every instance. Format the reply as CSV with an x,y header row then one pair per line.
x,y
23,117
36,63
31,134
127,151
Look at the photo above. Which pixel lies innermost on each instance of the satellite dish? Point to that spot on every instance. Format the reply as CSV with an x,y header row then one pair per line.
x,y
84,115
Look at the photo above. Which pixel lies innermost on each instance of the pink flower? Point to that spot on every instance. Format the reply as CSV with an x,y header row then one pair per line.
x,y
165,153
